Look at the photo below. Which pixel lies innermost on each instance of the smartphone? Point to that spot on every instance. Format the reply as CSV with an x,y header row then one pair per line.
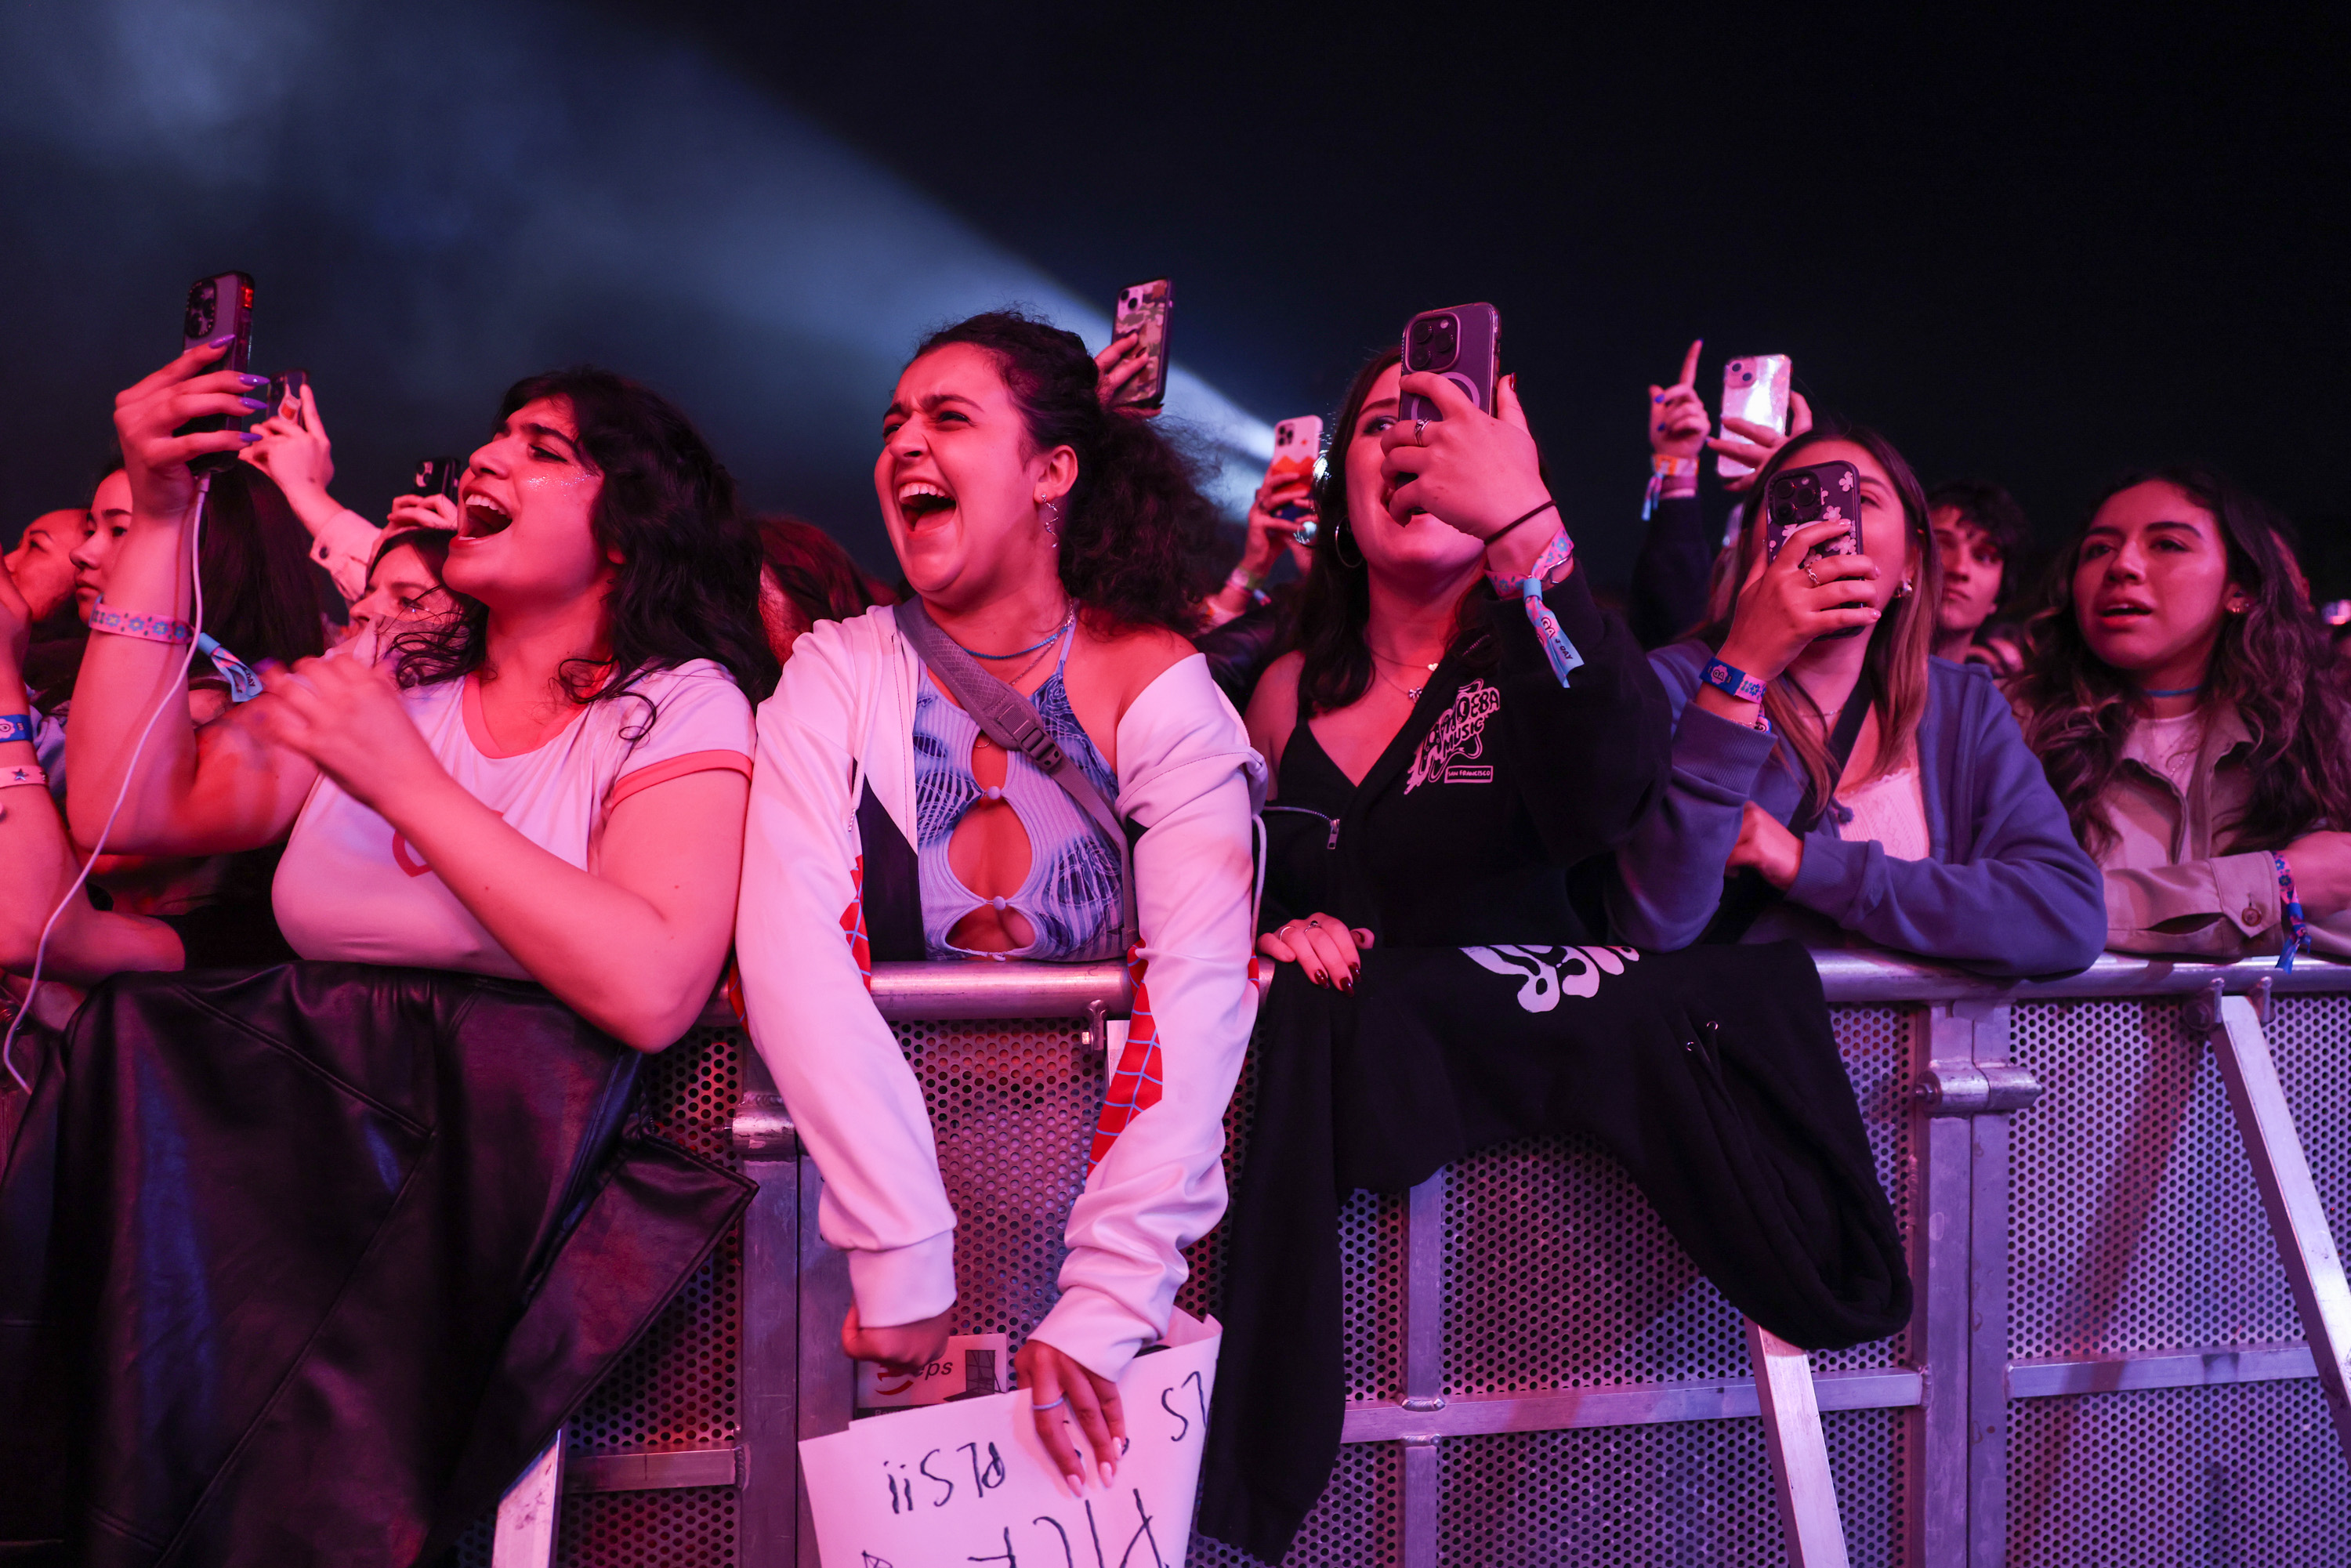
x,y
1297,444
1822,493
1755,389
1144,308
1462,343
438,477
282,387
221,304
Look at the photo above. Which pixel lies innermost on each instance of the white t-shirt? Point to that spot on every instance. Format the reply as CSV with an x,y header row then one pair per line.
x,y
1891,810
351,888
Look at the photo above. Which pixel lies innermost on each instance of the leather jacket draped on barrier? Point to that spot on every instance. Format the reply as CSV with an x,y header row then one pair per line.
x,y
302,1264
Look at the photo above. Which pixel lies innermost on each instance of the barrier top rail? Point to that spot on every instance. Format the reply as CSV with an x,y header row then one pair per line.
x,y
963,989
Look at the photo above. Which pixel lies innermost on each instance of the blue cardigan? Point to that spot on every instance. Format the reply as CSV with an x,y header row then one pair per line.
x,y
2007,891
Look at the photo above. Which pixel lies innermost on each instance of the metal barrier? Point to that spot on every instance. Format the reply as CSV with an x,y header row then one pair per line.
x,y
2108,1362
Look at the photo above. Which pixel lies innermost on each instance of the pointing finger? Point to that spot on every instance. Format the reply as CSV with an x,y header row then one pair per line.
x,y
1689,362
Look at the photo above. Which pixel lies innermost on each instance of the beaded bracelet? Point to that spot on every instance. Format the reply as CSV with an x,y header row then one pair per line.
x,y
1556,648
146,628
16,726
2297,929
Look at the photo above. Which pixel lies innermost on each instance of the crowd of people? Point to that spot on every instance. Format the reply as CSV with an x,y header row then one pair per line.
x,y
591,726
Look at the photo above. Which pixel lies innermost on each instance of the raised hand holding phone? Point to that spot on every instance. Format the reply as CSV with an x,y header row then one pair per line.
x,y
1139,386
1468,469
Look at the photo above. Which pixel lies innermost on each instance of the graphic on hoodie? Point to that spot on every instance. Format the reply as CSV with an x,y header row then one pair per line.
x,y
1551,973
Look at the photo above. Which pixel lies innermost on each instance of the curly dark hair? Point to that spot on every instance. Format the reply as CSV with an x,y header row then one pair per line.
x,y
1138,538
2271,663
1335,604
1990,509
688,583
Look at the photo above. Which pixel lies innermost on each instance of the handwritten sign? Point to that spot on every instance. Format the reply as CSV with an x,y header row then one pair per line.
x,y
946,1486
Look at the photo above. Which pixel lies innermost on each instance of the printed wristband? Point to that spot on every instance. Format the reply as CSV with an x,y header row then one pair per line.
x,y
16,726
1664,466
1733,682
1564,659
2297,929
243,686
146,628
26,774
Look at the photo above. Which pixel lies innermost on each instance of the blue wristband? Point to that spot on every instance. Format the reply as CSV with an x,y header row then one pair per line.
x,y
243,686
16,726
1732,681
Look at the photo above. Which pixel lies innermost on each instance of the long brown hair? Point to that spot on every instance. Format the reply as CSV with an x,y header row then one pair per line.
x,y
1335,603
1899,644
2271,663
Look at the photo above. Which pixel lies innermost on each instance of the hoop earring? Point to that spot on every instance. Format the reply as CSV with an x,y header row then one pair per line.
x,y
1907,589
1338,534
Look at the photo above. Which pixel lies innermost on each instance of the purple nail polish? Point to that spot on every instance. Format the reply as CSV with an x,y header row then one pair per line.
x,y
248,437
254,380
254,403
222,341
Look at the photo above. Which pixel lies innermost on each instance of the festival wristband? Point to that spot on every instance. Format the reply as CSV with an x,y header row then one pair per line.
x,y
1732,681
146,628
16,726
27,774
1562,653
1664,466
243,686
2297,929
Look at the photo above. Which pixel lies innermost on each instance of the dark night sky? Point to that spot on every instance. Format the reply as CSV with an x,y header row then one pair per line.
x,y
2038,251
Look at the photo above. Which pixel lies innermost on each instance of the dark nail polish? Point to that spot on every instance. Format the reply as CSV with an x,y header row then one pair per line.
x,y
248,437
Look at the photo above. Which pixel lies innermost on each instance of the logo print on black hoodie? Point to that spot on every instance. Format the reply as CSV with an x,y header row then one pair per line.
x,y
1458,734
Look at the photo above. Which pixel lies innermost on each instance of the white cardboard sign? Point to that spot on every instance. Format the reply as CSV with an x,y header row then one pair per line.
x,y
947,1486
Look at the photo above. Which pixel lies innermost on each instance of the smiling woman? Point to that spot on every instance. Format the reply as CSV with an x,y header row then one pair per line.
x,y
2181,700
1051,543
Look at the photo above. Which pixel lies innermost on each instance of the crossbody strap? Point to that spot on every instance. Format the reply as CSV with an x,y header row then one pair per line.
x,y
1749,895
1011,721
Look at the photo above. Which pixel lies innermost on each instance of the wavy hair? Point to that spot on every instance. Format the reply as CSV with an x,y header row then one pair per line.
x,y
687,586
1335,604
1899,644
2271,663
1137,537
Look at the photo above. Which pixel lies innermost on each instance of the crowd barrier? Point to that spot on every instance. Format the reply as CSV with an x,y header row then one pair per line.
x,y
2123,1264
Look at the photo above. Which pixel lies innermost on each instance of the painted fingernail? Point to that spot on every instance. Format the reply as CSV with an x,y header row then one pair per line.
x,y
1108,1475
222,341
1657,397
254,403
248,437
254,381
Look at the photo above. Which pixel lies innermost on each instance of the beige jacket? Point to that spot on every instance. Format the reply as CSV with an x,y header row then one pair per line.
x,y
2168,887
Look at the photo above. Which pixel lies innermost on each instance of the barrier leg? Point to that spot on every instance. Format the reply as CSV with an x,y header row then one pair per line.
x,y
767,1363
1800,1453
2305,1244
530,1512
1423,1367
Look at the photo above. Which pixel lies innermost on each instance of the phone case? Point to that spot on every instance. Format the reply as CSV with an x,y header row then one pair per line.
x,y
1145,309
1297,444
222,303
1463,343
438,477
1755,389
1822,492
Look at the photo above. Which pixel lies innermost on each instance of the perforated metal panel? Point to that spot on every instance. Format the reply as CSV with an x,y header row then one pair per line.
x,y
1696,1493
1358,1523
2245,1475
2135,1221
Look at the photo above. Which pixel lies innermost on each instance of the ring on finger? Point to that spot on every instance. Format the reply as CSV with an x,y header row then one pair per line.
x,y
1420,430
1809,577
1041,1409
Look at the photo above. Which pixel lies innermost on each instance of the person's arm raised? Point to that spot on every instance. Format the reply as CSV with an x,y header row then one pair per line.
x,y
228,792
634,946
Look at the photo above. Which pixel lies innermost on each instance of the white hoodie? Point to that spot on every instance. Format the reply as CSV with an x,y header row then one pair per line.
x,y
844,717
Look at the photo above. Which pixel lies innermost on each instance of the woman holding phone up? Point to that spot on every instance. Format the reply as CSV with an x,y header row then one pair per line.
x,y
1047,539
1841,778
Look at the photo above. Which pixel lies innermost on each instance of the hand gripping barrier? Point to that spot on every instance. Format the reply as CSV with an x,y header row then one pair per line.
x,y
2130,1345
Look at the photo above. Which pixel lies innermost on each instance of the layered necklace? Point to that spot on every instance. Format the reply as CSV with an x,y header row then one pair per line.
x,y
1034,653
1412,691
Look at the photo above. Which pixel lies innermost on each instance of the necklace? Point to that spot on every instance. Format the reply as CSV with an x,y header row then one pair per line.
x,y
1412,691
1049,638
2175,692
